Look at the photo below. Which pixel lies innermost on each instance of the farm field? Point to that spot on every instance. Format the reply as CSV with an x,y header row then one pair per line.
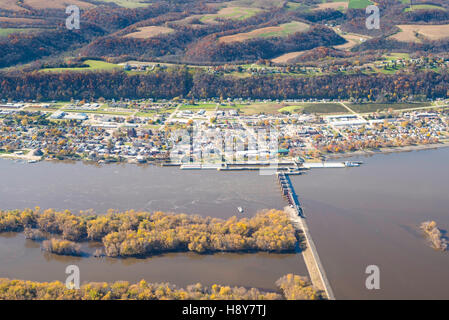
x,y
282,30
199,106
396,56
336,5
415,33
11,5
93,65
359,4
291,109
424,7
275,108
232,13
101,110
261,4
149,32
374,107
39,108
57,4
145,114
322,108
7,31
21,21
287,57
268,108
129,3
295,6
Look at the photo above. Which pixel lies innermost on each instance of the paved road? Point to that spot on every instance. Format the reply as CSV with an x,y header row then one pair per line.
x,y
170,117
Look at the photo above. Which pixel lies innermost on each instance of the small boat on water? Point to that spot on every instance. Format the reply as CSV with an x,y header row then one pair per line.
x,y
32,161
353,163
240,209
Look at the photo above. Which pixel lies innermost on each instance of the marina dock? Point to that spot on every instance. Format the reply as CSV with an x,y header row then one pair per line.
x,y
275,167
290,167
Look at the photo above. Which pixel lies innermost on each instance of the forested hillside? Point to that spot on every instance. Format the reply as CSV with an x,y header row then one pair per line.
x,y
323,49
35,32
181,83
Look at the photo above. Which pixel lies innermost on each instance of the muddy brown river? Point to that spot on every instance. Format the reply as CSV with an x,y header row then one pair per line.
x,y
357,217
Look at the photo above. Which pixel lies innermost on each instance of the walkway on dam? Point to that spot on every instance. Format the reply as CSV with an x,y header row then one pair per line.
x,y
310,253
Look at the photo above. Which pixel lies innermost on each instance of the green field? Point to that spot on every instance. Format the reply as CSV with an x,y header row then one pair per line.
x,y
291,109
112,113
263,4
424,7
232,13
295,6
205,106
323,108
287,29
282,30
93,65
146,114
374,107
7,31
397,56
359,4
274,108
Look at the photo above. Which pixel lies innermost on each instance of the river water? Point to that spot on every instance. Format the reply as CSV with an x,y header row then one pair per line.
x,y
357,217
77,186
370,216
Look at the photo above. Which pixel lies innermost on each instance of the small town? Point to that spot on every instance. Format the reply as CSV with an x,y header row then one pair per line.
x,y
216,131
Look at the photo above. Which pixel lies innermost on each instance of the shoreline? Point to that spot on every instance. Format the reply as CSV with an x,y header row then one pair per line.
x,y
25,157
364,153
388,150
